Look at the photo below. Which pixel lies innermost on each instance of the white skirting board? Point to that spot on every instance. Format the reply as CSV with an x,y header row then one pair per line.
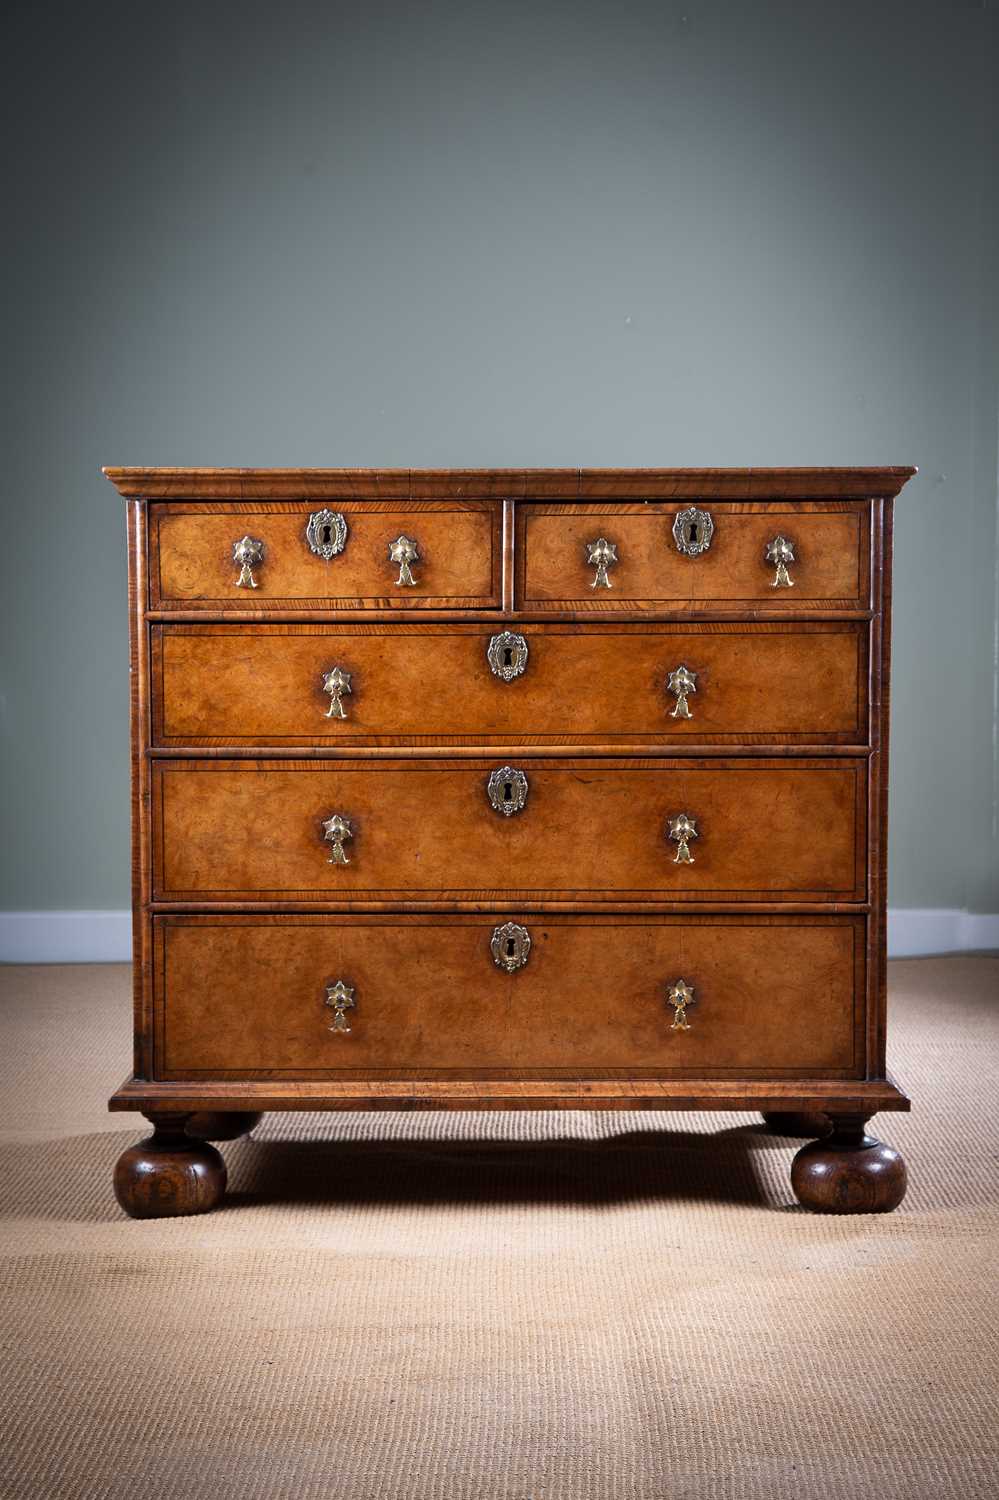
x,y
74,937
915,931
65,937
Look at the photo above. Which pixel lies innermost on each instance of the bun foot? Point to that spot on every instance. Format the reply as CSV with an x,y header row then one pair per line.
x,y
221,1125
169,1174
792,1124
848,1172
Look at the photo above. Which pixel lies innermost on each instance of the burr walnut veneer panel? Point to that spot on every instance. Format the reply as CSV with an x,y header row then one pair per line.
x,y
590,830
459,564
431,684
831,568
428,996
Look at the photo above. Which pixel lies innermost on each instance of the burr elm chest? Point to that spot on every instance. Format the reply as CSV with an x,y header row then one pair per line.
x,y
510,789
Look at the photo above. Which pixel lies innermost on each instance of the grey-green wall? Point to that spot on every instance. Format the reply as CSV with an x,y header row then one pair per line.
x,y
519,233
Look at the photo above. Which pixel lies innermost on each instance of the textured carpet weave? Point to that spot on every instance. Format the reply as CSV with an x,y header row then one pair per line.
x,y
532,1307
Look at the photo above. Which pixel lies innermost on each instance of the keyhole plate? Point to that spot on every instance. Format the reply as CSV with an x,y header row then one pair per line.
x,y
326,533
507,790
507,655
692,531
510,946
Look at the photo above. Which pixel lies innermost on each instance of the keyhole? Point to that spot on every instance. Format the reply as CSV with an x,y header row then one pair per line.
x,y
693,532
325,535
507,656
509,948
508,791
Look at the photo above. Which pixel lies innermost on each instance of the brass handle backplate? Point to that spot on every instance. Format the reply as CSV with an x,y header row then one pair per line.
x,y
402,552
681,682
681,829
510,946
692,531
326,533
336,831
336,682
340,999
507,655
601,555
248,552
507,790
779,553
680,995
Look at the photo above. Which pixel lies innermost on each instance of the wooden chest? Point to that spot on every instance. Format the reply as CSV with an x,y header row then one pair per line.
x,y
551,789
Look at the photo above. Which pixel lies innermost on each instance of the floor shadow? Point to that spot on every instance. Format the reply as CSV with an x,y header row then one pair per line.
x,y
629,1167
69,1179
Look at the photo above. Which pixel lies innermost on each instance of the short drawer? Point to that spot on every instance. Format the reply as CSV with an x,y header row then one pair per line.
x,y
538,830
362,555
687,556
541,683
258,997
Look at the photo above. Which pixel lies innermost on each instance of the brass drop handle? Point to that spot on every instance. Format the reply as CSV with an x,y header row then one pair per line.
x,y
601,555
336,682
340,999
779,553
681,682
681,829
507,790
510,946
248,553
336,831
680,995
402,552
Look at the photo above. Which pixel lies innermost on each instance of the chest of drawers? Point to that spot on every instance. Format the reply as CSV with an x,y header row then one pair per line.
x,y
552,789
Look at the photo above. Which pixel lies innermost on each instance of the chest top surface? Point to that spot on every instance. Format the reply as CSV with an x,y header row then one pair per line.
x,y
514,484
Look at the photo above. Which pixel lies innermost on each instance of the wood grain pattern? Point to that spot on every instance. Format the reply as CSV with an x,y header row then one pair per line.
x,y
169,1175
321,612
879,694
591,830
431,685
460,563
428,996
848,1171
513,484
763,1095
139,793
784,766
831,547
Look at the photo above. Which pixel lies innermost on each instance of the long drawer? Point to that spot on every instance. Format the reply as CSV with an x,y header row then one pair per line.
x,y
536,684
478,830
296,555
684,556
258,997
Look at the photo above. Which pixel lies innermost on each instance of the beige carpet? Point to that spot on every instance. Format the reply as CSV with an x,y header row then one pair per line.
x,y
533,1307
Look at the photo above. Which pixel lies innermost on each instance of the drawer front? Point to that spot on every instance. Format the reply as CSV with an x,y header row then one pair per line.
x,y
830,570
263,685
454,563
420,831
242,997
